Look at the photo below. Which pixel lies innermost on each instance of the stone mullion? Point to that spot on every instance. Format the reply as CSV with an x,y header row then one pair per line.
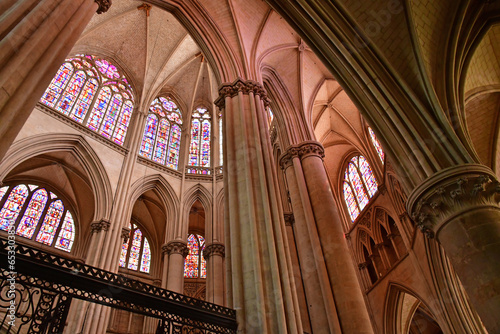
x,y
29,58
257,258
459,207
384,256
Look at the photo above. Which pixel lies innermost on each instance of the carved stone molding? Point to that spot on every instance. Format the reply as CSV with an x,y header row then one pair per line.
x,y
451,192
103,6
289,219
363,265
157,282
100,225
214,249
237,86
125,234
302,150
176,247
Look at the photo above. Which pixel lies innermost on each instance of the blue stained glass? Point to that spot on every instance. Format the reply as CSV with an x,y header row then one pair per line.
x,y
161,142
53,92
175,144
99,109
114,108
367,175
148,139
13,206
71,92
194,149
32,214
376,144
350,201
67,233
146,257
205,144
50,223
123,121
84,100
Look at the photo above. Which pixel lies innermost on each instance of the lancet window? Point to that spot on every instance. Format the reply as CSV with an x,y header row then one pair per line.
x,y
376,144
162,133
136,252
199,149
359,185
195,265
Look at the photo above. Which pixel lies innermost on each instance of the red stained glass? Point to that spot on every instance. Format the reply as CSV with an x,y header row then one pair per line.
x,y
84,101
352,206
367,175
146,257
71,92
12,206
195,264
99,108
123,122
56,87
194,148
67,234
135,249
205,144
161,142
32,214
123,254
148,139
112,114
50,223
174,147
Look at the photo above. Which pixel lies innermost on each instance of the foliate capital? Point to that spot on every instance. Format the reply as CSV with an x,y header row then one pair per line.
x,y
103,6
237,86
176,247
214,249
451,192
99,225
302,150
125,234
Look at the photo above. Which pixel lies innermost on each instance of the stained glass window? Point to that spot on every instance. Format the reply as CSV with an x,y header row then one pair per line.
x,y
162,133
195,265
92,92
32,212
270,116
359,185
199,149
376,144
136,250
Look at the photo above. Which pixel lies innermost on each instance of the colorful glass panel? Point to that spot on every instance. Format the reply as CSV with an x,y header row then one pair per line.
x,y
32,214
57,85
161,142
352,206
71,92
357,186
111,116
123,254
13,206
205,144
146,257
194,148
191,262
123,122
148,139
50,223
67,234
99,108
174,147
84,100
133,259
107,69
367,175
3,190
376,144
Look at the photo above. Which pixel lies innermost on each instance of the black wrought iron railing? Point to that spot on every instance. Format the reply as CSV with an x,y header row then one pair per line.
x,y
58,280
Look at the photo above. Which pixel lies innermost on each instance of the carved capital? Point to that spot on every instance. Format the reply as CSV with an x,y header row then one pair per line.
x,y
450,192
289,219
157,282
363,265
177,247
99,225
103,6
286,159
125,234
311,148
237,86
214,249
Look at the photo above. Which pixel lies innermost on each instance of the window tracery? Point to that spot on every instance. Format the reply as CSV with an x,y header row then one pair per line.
x,y
359,185
195,264
36,213
92,92
136,251
162,133
376,144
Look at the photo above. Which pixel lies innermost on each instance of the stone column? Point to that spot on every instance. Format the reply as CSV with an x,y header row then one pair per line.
x,y
76,315
164,253
319,226
177,251
36,36
459,208
319,295
214,255
263,288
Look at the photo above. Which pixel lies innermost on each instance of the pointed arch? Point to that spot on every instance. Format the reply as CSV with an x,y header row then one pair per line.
x,y
167,194
201,194
30,147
